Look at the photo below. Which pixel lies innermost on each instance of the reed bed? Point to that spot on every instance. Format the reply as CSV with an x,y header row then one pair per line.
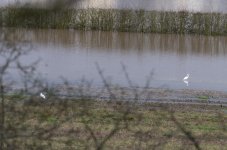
x,y
116,20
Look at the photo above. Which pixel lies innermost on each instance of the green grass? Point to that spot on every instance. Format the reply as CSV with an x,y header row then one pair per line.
x,y
52,120
203,97
116,20
63,124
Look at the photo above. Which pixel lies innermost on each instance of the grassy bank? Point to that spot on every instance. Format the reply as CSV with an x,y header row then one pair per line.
x,y
116,20
85,124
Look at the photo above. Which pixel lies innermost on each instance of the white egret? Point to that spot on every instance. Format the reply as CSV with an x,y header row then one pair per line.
x,y
42,95
186,77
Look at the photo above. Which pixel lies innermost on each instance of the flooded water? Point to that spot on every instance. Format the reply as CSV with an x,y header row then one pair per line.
x,y
73,54
163,5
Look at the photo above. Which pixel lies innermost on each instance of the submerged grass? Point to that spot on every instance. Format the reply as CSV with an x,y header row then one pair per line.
x,y
154,127
116,20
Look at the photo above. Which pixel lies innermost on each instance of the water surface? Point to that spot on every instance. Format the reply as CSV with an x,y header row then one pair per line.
x,y
73,54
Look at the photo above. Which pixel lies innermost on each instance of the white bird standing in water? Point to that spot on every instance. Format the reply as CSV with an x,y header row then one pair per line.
x,y
186,77
42,95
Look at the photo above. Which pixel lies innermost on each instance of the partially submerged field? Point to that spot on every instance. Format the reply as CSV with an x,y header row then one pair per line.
x,y
116,20
89,124
110,123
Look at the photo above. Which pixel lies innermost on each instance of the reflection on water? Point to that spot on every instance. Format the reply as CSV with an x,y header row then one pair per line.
x,y
72,54
131,42
165,5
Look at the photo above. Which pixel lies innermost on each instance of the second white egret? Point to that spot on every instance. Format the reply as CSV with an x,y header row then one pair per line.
x,y
42,95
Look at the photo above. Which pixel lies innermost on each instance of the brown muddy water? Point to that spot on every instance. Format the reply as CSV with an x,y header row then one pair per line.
x,y
72,54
